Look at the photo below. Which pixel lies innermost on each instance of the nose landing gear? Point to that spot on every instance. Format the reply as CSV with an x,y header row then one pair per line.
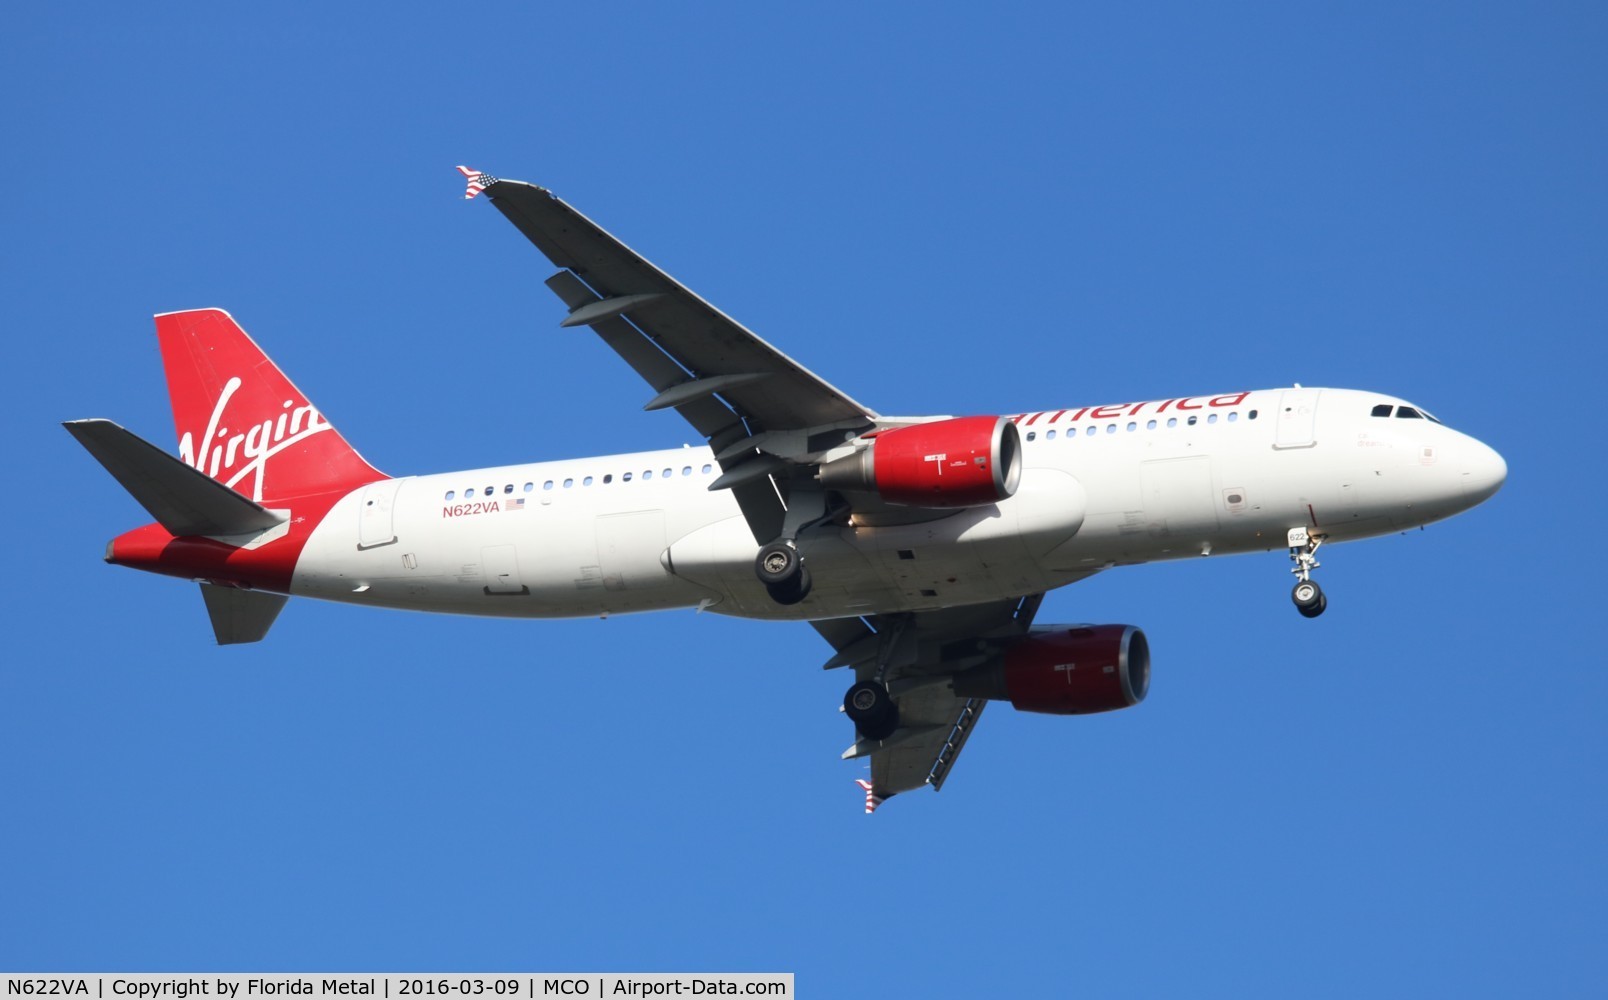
x,y
1307,595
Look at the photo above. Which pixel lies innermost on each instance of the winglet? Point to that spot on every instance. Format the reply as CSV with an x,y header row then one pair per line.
x,y
476,182
872,799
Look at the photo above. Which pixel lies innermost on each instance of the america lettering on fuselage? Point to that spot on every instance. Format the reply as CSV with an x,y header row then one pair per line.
x,y
1132,409
919,547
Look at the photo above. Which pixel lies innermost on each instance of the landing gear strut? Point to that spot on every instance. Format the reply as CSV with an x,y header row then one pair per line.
x,y
779,566
781,569
1307,595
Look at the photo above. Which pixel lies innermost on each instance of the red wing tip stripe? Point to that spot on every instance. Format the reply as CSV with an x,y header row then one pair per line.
x,y
872,800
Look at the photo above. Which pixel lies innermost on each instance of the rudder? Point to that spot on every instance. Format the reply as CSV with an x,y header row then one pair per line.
x,y
241,421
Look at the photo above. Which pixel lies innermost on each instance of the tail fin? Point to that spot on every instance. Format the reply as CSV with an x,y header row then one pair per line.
x,y
241,421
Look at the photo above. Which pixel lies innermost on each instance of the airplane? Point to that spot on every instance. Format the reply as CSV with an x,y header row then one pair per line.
x,y
920,548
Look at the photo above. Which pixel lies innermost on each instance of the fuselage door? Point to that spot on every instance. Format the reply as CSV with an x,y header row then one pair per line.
x,y
500,564
376,515
1297,418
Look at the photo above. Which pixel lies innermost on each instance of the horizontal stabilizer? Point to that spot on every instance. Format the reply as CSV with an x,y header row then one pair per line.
x,y
181,499
241,615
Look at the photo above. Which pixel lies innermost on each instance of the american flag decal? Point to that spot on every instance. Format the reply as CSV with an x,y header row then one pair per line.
x,y
872,799
517,503
477,182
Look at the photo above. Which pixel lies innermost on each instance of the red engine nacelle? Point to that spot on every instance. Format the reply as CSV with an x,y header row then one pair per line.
x,y
1067,671
960,462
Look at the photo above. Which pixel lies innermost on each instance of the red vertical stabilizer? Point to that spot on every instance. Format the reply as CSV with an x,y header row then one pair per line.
x,y
241,421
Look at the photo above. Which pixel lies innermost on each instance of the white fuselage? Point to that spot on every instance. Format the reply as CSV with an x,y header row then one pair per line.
x,y
1159,480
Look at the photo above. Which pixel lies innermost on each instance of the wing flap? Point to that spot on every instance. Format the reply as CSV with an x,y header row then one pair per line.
x,y
918,652
945,722
701,340
707,415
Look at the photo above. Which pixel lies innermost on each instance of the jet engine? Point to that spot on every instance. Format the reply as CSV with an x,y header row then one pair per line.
x,y
960,462
1065,670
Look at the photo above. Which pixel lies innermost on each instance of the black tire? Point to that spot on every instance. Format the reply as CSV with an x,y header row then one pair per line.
x,y
1308,596
793,591
1314,610
872,710
777,564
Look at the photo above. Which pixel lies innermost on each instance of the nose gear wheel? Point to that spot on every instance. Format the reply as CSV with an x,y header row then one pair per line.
x,y
1306,594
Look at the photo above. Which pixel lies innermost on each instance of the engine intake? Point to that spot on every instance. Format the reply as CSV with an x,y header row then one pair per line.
x,y
1066,671
960,462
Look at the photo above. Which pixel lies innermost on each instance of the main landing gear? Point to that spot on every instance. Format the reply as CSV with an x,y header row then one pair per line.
x,y
869,704
779,565
782,571
1306,594
872,710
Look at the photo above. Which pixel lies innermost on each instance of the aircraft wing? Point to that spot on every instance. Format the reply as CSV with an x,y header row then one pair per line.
x,y
922,650
723,378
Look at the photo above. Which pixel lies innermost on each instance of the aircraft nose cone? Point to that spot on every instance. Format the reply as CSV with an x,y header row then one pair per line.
x,y
1484,471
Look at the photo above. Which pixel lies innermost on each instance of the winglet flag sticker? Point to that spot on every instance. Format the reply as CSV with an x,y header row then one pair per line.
x,y
872,799
477,182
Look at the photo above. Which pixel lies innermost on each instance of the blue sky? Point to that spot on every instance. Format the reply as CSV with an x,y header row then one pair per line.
x,y
938,210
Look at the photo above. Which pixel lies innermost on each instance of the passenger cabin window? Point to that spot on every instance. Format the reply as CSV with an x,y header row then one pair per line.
x,y
1382,410
451,494
1409,412
468,492
509,488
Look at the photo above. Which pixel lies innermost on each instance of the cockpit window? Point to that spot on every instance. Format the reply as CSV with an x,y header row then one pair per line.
x,y
1407,411
1382,410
